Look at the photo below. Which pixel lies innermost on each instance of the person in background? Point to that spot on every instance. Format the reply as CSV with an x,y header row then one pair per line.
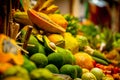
x,y
99,13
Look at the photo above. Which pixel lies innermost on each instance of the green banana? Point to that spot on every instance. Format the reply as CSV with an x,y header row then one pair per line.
x,y
96,53
99,60
100,55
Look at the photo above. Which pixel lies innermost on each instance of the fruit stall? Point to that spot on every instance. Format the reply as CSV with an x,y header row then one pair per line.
x,y
38,42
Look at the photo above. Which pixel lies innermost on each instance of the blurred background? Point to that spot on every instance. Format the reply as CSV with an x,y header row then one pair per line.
x,y
105,13
101,12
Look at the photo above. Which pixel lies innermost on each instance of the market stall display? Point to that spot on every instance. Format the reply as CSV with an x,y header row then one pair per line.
x,y
58,47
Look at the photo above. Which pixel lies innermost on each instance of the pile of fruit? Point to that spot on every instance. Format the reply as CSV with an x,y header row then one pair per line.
x,y
60,47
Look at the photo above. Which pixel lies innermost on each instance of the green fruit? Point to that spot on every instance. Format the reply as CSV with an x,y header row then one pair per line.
x,y
88,76
69,70
52,68
49,46
67,54
97,72
38,47
77,79
82,40
56,59
17,71
107,78
99,60
79,71
41,74
39,59
13,78
29,65
100,55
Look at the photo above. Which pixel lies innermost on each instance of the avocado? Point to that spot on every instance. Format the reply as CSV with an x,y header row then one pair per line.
x,y
52,68
56,59
17,71
38,47
41,74
39,59
69,70
28,65
49,46
79,71
67,54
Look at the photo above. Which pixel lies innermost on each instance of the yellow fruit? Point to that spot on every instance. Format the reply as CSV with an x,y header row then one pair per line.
x,y
9,51
12,78
85,70
71,42
4,67
84,60
59,19
55,38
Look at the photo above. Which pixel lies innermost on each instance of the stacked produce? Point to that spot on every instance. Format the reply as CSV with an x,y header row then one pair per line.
x,y
59,48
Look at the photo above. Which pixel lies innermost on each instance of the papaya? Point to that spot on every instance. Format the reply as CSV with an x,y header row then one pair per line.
x,y
9,52
4,67
47,24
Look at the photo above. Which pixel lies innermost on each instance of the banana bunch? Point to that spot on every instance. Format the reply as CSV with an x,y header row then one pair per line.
x,y
42,6
45,6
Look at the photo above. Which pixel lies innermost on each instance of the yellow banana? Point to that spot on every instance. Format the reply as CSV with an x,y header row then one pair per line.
x,y
46,4
39,4
50,9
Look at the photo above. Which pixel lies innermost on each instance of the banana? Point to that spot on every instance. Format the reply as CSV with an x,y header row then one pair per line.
x,y
99,60
50,9
100,55
39,4
46,4
96,53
